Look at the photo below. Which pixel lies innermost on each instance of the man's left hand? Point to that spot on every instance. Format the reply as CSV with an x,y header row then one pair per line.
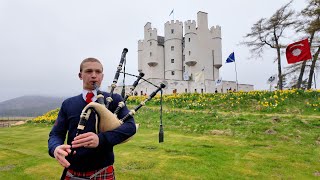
x,y
87,140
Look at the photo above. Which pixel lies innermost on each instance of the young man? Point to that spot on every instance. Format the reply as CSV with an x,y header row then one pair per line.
x,y
93,157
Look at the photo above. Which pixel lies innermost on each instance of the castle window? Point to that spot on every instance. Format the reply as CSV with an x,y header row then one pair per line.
x,y
150,54
172,72
189,53
189,39
172,48
201,91
172,31
172,60
195,90
150,43
174,91
185,90
150,34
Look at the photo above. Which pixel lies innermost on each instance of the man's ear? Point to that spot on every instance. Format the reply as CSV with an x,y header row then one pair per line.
x,y
80,76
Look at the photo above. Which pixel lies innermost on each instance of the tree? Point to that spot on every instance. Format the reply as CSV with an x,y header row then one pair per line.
x,y
310,25
267,32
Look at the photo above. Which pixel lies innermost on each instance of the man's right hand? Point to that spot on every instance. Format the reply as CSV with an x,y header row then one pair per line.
x,y
60,154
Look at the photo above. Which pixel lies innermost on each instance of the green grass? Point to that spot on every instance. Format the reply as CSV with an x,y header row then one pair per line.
x,y
199,144
285,102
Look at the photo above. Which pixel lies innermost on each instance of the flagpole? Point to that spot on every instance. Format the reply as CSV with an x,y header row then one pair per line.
x,y
173,14
204,81
235,67
314,79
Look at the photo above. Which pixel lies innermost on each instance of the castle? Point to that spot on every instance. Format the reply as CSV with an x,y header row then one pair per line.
x,y
187,59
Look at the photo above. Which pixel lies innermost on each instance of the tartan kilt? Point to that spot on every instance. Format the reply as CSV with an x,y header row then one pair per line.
x,y
106,173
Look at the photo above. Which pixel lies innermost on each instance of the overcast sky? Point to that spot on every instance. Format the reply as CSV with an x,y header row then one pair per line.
x,y
42,42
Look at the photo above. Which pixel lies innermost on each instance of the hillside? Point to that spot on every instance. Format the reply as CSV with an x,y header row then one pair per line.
x,y
228,136
29,105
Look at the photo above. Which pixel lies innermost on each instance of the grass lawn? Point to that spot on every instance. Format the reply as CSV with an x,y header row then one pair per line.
x,y
198,145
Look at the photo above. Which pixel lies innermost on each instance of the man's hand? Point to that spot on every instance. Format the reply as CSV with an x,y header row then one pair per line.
x,y
87,140
60,154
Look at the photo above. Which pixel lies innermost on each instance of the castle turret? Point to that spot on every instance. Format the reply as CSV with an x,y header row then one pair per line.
x,y
190,46
140,55
151,59
173,49
204,54
215,33
202,18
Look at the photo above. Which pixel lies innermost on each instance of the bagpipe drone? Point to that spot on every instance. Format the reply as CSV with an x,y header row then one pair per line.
x,y
106,120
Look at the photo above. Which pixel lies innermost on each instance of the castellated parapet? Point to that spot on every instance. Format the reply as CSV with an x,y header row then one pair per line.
x,y
150,33
190,27
173,29
215,31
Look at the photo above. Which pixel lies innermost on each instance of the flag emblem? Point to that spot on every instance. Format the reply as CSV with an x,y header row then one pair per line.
x,y
199,76
272,79
218,81
298,51
231,58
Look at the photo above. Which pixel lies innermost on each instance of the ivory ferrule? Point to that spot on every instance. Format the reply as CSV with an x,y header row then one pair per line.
x,y
109,99
88,114
100,96
132,112
121,104
81,127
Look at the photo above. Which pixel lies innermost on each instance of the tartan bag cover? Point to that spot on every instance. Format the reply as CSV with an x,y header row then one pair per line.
x,y
106,173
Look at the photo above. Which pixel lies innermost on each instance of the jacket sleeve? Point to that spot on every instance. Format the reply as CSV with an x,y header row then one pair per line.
x,y
58,131
123,132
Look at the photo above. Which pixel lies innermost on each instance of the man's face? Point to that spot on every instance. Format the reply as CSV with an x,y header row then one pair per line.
x,y
91,73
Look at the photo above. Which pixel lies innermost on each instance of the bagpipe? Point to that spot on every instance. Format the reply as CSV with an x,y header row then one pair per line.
x,y
106,120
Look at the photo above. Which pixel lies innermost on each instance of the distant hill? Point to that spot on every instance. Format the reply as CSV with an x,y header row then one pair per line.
x,y
29,105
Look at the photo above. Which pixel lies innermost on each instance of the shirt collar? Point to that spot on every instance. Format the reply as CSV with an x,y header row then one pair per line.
x,y
84,94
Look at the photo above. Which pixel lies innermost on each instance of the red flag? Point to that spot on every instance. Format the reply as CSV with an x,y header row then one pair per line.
x,y
298,51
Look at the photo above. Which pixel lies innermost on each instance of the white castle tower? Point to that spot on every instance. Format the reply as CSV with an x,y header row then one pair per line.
x,y
152,54
173,40
179,58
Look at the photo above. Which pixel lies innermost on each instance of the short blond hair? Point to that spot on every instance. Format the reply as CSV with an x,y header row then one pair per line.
x,y
89,60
